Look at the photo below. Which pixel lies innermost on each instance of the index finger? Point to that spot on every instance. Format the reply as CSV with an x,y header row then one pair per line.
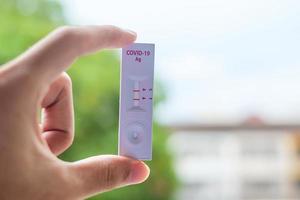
x,y
53,54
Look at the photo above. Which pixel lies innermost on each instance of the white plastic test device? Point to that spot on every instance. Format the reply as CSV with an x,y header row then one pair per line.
x,y
136,97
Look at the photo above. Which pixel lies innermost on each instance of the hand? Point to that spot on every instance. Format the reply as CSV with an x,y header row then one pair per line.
x,y
29,168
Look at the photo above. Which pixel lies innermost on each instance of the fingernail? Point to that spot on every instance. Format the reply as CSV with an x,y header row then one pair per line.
x,y
139,172
131,32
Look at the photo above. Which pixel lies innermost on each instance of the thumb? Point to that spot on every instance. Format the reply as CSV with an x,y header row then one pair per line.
x,y
103,173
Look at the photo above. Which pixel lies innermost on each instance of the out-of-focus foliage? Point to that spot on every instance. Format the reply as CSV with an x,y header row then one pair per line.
x,y
96,96
23,22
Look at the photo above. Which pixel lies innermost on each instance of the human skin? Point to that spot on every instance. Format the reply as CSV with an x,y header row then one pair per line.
x,y
29,167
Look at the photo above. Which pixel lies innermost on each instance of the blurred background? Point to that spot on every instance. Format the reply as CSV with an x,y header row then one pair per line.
x,y
227,91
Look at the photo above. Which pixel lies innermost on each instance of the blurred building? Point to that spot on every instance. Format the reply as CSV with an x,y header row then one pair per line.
x,y
237,162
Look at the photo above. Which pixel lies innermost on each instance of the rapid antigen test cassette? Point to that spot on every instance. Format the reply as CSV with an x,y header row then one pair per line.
x,y
136,100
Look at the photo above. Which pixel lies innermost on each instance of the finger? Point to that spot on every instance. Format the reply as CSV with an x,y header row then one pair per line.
x,y
57,116
53,54
103,173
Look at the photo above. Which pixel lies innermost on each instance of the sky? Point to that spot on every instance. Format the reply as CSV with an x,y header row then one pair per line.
x,y
219,61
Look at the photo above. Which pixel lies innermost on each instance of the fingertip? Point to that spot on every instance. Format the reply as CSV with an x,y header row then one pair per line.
x,y
129,36
139,172
131,32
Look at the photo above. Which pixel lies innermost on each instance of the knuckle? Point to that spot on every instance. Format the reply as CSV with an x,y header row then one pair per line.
x,y
66,79
69,138
110,179
64,30
72,37
114,174
65,33
63,82
66,139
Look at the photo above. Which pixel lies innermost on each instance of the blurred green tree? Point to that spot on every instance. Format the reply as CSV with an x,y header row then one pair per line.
x,y
96,93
